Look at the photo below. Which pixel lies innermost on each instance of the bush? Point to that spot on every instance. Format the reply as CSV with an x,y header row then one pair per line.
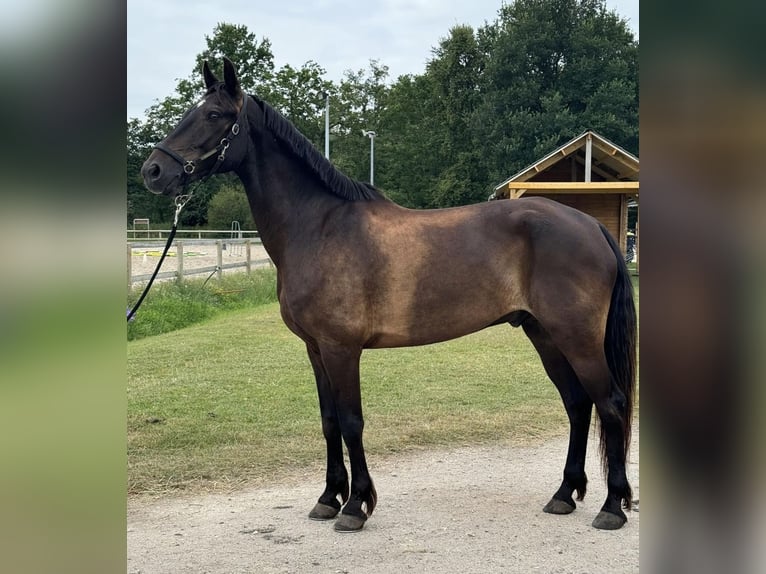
x,y
227,205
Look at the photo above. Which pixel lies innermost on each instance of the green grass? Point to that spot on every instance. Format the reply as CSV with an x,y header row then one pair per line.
x,y
232,401
170,305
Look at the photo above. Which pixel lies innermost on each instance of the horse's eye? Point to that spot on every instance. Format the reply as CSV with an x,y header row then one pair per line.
x,y
213,115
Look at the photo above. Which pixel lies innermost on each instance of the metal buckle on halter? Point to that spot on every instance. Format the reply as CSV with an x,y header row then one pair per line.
x,y
225,143
235,128
189,167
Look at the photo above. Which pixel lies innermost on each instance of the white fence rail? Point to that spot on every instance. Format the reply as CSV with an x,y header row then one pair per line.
x,y
179,253
137,234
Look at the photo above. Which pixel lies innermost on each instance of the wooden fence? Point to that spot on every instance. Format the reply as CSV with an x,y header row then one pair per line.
x,y
248,264
148,234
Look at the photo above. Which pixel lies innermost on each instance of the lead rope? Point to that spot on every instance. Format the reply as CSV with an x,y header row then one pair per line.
x,y
179,201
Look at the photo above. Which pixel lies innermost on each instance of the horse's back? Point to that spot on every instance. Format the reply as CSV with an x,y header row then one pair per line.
x,y
503,234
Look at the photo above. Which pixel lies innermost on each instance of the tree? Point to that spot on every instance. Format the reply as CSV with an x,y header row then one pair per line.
x,y
408,137
434,159
254,59
456,71
356,105
554,69
255,70
297,94
141,203
227,205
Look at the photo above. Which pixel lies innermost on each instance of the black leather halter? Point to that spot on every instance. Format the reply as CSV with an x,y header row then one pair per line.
x,y
189,166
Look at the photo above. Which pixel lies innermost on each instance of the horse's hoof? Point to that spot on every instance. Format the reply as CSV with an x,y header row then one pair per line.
x,y
608,521
349,523
556,506
323,512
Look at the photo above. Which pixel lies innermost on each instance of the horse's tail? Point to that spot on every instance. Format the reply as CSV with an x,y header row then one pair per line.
x,y
620,344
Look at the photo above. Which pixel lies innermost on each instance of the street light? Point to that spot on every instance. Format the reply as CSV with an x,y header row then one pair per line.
x,y
371,135
326,97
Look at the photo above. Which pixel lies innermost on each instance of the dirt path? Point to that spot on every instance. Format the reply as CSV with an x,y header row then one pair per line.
x,y
469,510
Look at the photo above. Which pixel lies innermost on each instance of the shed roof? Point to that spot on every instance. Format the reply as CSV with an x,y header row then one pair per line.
x,y
607,157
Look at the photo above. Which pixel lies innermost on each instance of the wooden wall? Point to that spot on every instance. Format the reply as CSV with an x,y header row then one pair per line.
x,y
611,209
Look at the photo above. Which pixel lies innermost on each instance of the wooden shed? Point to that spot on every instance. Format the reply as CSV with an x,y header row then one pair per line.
x,y
589,173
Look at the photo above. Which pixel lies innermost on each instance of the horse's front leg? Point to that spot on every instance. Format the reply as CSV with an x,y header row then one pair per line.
x,y
328,505
342,368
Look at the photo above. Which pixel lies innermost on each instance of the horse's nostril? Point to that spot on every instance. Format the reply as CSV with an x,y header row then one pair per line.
x,y
153,171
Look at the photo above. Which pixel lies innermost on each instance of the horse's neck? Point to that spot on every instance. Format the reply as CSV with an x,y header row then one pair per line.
x,y
287,202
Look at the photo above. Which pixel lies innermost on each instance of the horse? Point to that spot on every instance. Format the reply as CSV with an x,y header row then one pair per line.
x,y
357,271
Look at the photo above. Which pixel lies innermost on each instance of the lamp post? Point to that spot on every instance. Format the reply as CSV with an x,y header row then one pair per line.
x,y
371,135
326,124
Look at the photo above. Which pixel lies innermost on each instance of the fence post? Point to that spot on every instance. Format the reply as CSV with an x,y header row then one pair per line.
x,y
248,260
219,248
130,265
180,258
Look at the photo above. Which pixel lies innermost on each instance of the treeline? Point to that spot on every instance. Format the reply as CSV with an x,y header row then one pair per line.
x,y
489,102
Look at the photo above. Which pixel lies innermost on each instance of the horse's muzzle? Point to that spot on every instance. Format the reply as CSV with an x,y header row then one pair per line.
x,y
161,177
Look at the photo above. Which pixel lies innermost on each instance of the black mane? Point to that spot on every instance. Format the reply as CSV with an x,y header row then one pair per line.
x,y
335,181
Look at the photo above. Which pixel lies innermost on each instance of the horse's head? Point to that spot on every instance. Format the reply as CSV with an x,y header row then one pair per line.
x,y
199,145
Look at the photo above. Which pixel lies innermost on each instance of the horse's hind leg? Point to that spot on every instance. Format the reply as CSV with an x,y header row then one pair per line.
x,y
611,412
579,407
589,363
328,505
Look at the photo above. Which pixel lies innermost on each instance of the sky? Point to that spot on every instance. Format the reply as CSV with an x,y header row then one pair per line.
x,y
165,36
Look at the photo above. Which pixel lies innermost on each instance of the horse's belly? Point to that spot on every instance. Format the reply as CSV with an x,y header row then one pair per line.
x,y
448,323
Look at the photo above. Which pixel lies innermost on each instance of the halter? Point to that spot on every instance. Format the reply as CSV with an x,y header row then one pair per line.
x,y
189,166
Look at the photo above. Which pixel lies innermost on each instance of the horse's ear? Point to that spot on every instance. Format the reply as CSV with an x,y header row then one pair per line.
x,y
210,79
230,77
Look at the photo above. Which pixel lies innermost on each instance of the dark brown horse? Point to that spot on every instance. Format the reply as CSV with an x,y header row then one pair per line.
x,y
356,271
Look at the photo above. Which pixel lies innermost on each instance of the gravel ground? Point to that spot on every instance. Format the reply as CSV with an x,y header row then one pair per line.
x,y
466,510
